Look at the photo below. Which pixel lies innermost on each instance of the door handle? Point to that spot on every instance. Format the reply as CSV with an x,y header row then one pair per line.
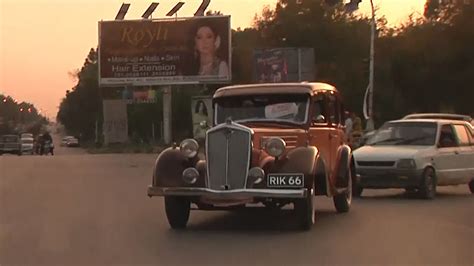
x,y
456,152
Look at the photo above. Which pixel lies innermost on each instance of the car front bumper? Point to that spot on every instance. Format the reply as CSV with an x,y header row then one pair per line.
x,y
227,194
389,178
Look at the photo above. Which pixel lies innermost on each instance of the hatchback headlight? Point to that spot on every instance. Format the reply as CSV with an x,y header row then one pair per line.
x,y
406,163
275,146
189,147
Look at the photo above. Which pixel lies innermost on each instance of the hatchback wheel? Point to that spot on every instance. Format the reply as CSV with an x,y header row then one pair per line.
x,y
471,186
428,185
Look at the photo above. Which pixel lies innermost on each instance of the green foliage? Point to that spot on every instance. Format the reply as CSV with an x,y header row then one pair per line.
x,y
18,117
426,65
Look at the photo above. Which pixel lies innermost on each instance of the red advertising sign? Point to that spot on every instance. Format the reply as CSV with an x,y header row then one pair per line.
x,y
158,52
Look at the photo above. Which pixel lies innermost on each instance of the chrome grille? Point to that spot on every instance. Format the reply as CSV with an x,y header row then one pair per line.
x,y
228,149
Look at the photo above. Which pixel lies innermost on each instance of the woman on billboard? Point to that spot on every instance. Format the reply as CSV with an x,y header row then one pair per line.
x,y
207,44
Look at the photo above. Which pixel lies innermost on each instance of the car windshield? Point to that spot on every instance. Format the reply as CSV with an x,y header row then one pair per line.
x,y
405,133
286,108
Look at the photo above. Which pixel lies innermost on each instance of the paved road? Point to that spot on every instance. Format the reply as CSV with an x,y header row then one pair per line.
x,y
93,209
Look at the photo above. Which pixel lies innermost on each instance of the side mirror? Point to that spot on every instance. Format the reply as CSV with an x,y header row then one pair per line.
x,y
319,119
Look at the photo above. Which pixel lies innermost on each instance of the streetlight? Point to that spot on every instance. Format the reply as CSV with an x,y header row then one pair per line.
x,y
368,108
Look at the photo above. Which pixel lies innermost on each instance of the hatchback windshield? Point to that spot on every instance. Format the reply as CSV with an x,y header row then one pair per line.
x,y
405,133
290,108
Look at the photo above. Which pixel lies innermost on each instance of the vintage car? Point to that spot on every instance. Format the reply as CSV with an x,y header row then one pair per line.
x,y
270,145
418,155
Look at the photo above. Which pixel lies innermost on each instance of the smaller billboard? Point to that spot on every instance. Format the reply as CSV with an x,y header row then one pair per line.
x,y
283,65
202,110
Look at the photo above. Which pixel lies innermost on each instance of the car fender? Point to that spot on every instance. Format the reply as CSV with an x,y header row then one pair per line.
x,y
169,166
303,160
343,169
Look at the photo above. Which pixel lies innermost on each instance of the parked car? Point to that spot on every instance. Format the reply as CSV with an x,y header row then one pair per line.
x,y
275,144
417,154
10,144
27,145
70,141
26,136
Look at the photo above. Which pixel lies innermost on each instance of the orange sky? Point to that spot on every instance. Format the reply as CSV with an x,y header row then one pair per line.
x,y
42,40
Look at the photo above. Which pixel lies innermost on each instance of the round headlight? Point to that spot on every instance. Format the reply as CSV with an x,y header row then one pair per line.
x,y
275,147
256,174
190,175
189,147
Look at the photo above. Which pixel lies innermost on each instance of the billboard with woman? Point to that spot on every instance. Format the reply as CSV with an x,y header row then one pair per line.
x,y
165,51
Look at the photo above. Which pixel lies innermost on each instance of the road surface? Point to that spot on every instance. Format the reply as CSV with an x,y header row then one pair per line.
x,y
93,209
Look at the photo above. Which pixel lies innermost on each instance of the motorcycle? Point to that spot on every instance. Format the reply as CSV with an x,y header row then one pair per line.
x,y
48,147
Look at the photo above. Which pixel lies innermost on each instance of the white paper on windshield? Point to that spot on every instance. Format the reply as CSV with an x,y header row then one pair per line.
x,y
280,110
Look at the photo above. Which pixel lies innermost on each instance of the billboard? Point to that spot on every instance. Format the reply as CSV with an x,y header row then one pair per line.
x,y
165,51
283,65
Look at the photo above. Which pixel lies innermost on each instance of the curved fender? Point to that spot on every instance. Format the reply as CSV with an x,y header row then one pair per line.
x,y
169,167
340,175
299,160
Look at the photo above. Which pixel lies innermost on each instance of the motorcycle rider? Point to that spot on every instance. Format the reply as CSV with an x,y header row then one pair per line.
x,y
47,138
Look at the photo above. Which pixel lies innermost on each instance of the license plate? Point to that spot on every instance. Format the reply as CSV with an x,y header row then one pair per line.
x,y
285,180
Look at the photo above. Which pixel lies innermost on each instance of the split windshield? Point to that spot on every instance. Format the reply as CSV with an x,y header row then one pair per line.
x,y
289,108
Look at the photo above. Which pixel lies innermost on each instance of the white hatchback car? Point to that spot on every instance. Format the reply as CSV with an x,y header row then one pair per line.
x,y
417,154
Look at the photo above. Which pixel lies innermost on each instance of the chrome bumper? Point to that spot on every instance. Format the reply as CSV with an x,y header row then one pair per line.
x,y
227,194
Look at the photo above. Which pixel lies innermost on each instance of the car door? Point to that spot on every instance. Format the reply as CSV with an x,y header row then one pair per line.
x,y
336,133
466,154
320,128
445,161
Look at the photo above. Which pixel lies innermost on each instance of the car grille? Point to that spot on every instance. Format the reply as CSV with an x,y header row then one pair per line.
x,y
228,149
376,163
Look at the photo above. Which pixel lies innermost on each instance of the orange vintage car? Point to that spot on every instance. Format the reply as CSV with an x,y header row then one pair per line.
x,y
270,145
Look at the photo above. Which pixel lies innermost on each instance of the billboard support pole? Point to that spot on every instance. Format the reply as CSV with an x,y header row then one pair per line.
x,y
299,64
167,115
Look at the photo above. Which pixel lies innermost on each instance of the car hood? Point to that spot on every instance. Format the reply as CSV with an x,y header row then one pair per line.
x,y
383,153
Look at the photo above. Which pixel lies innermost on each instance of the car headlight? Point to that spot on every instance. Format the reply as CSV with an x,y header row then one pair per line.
x,y
189,147
256,174
406,163
190,175
275,146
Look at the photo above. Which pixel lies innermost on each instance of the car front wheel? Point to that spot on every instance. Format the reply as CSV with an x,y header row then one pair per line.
x,y
177,211
428,185
305,212
471,186
343,201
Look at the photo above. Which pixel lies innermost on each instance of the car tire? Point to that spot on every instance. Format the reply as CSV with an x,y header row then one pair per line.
x,y
471,186
343,201
305,212
177,211
428,185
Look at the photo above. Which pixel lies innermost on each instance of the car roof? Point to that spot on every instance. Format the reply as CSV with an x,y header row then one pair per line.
x,y
274,88
439,116
437,121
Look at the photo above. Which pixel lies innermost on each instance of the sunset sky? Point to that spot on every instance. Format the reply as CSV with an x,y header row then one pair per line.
x,y
41,41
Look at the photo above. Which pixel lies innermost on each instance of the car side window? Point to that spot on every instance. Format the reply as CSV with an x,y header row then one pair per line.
x,y
462,134
319,113
447,137
333,108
